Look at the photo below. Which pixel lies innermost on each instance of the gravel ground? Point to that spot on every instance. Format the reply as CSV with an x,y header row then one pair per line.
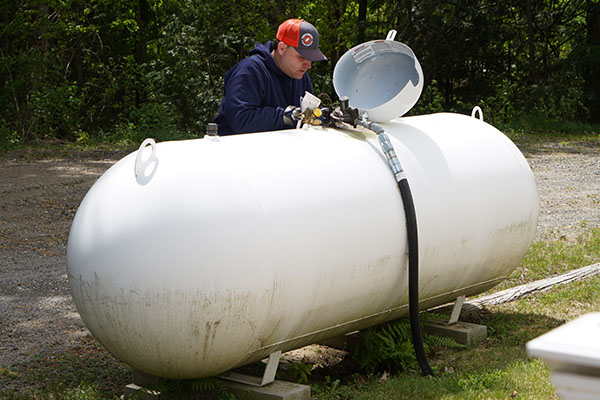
x,y
568,180
39,199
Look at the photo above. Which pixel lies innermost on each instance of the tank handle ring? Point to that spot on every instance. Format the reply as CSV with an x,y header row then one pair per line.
x,y
391,35
477,110
140,163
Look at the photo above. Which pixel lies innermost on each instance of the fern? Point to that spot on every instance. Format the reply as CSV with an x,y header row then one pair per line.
x,y
208,385
301,371
389,346
201,389
441,341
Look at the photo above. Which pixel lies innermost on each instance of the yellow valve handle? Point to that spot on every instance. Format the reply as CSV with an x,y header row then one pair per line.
x,y
312,117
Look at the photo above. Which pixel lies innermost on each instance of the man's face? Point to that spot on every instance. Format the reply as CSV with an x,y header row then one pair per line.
x,y
292,63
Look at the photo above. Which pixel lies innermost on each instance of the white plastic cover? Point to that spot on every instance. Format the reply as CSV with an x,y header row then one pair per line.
x,y
574,343
381,77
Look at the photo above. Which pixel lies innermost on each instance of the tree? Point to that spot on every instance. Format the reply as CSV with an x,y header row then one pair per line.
x,y
587,59
127,69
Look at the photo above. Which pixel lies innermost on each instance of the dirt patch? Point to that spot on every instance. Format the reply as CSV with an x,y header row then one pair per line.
x,y
40,197
39,200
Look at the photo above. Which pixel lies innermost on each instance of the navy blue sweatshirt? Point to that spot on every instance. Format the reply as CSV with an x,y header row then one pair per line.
x,y
256,94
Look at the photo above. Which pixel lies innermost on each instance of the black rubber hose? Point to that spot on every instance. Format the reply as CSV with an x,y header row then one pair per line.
x,y
413,242
413,275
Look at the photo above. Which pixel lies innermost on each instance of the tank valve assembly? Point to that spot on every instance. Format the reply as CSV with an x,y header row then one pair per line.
x,y
308,112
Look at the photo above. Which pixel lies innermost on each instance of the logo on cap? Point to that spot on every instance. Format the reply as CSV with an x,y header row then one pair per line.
x,y
307,39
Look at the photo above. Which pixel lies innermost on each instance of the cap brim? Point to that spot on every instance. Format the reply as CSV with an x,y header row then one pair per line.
x,y
312,55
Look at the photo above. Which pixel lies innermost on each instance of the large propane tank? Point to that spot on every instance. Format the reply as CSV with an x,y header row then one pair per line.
x,y
189,258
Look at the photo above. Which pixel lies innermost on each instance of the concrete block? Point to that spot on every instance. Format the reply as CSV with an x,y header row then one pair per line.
x,y
462,332
278,390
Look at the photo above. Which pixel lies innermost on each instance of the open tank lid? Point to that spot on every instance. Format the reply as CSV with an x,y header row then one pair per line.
x,y
382,78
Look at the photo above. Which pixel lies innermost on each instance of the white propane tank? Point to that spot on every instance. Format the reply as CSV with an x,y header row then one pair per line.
x,y
189,258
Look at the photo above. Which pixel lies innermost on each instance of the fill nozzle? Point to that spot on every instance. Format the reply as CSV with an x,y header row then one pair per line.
x,y
344,113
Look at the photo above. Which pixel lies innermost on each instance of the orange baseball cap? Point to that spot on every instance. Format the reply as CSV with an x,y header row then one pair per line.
x,y
303,36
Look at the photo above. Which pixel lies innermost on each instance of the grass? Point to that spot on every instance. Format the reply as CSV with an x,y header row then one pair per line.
x,y
87,371
526,125
496,369
534,134
510,381
55,148
554,256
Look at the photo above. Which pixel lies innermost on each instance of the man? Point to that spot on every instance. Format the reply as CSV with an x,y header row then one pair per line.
x,y
262,90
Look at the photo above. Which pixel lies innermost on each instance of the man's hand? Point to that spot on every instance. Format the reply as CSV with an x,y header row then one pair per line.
x,y
291,115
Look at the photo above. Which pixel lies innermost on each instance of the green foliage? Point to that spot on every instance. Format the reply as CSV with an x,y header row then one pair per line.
x,y
389,347
431,101
76,71
8,139
82,392
300,371
153,120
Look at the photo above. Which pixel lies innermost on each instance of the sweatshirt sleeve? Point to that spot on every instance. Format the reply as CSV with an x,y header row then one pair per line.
x,y
243,109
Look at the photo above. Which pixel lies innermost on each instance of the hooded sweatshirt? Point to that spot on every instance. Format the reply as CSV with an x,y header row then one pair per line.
x,y
257,93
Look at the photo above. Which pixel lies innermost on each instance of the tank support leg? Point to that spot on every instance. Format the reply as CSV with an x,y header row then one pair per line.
x,y
268,376
456,310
